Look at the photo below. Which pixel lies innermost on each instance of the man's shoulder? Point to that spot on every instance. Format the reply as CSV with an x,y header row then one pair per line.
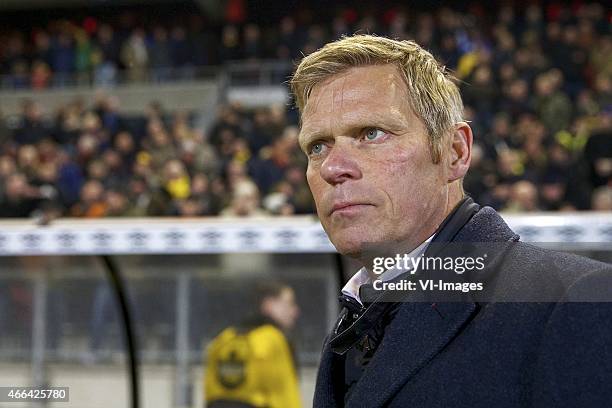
x,y
531,269
542,255
543,274
572,266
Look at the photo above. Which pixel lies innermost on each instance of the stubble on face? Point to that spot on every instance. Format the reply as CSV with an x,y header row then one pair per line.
x,y
394,194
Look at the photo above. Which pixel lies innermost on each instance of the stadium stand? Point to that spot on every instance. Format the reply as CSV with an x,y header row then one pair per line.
x,y
536,82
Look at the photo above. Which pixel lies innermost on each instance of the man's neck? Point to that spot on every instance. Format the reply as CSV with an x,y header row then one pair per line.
x,y
453,197
400,251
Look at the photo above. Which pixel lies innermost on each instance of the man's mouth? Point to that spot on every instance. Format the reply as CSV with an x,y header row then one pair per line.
x,y
348,208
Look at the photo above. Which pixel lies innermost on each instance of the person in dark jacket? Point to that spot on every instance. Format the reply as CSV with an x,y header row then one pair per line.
x,y
381,124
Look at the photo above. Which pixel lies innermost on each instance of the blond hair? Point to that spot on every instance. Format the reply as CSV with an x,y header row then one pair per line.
x,y
433,95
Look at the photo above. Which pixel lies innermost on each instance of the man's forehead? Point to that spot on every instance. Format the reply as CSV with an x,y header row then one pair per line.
x,y
355,83
358,93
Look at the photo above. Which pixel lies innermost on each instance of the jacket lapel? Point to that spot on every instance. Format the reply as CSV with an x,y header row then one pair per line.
x,y
418,332
325,395
416,335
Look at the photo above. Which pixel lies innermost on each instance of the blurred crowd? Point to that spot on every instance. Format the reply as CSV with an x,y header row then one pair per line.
x,y
66,53
103,48
536,83
96,162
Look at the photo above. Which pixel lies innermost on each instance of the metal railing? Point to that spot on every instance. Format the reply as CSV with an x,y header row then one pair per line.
x,y
236,73
185,283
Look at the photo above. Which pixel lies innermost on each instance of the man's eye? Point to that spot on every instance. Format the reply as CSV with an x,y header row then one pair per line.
x,y
316,148
373,134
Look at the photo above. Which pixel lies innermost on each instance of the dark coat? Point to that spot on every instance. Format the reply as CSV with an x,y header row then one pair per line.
x,y
470,354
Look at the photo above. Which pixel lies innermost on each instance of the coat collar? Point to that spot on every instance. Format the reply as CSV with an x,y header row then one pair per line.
x,y
416,335
326,395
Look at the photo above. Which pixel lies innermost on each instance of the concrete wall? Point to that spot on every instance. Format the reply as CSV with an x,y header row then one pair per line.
x,y
258,96
192,95
104,386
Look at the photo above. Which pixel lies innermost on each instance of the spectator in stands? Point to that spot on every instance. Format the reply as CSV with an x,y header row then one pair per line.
x,y
159,54
482,94
603,89
158,144
97,170
298,193
135,57
600,56
261,133
41,75
602,199
83,56
7,166
176,180
270,167
551,104
555,178
244,202
207,202
202,41
20,199
229,49
278,202
537,83
116,203
252,42
104,71
515,98
198,155
479,181
598,153
32,127
91,204
172,188
14,55
108,43
190,208
87,148
139,197
70,180
5,132
107,108
42,48
105,56
523,197
235,172
27,160
46,181
63,58
181,53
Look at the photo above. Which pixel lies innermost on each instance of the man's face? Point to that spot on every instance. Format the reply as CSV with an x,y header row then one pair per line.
x,y
370,170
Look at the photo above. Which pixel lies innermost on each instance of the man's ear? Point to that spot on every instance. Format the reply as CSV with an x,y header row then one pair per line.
x,y
460,151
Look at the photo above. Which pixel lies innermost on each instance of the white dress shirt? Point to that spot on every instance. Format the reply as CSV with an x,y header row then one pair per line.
x,y
362,276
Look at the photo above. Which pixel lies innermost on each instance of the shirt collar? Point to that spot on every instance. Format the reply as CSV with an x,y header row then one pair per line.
x,y
362,276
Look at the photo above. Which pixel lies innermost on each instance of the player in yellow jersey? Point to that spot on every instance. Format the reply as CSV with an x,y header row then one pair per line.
x,y
253,364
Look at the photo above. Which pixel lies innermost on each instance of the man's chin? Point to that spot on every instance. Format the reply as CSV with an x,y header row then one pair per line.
x,y
356,248
355,240
351,252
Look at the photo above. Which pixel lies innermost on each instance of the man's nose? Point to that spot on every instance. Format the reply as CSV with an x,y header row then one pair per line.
x,y
341,164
